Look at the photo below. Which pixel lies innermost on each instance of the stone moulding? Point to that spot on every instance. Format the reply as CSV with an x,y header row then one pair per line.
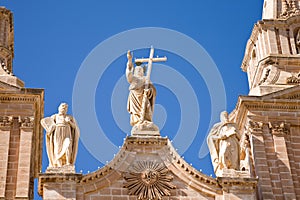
x,y
161,164
149,180
241,184
55,178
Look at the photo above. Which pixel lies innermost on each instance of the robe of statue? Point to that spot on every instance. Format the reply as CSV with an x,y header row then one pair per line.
x,y
224,146
135,99
61,140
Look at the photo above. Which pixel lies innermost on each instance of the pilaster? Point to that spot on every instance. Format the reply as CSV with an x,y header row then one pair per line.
x,y
5,128
24,176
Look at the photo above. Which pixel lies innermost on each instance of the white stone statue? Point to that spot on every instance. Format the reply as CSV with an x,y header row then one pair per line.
x,y
142,95
62,136
139,93
223,143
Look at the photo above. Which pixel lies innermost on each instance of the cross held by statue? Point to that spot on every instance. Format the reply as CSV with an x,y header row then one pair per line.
x,y
150,60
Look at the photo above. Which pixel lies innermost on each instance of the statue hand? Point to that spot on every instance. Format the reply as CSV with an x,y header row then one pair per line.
x,y
52,128
148,92
129,56
67,119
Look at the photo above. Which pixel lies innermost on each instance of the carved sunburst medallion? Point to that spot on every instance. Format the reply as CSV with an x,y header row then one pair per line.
x,y
149,180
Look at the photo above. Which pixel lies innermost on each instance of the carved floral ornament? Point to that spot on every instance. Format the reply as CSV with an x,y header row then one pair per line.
x,y
149,180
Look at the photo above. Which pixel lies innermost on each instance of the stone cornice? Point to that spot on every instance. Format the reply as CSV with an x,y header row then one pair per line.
x,y
23,95
228,184
282,101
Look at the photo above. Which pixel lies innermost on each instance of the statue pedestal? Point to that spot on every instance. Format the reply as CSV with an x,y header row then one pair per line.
x,y
60,186
145,133
145,129
231,173
64,169
237,188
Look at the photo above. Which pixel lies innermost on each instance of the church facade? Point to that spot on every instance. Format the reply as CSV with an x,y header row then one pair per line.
x,y
147,166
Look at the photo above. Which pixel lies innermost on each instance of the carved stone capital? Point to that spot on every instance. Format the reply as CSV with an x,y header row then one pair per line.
x,y
279,128
149,180
254,126
26,122
6,121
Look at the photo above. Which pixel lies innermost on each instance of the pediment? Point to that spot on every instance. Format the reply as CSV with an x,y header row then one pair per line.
x,y
150,164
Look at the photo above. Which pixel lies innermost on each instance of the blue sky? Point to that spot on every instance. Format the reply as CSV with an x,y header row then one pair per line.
x,y
56,41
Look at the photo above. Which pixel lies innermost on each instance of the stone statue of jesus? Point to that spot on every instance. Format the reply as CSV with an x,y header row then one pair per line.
x,y
141,96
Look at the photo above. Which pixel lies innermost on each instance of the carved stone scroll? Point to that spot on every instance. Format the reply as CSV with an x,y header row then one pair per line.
x,y
6,121
279,128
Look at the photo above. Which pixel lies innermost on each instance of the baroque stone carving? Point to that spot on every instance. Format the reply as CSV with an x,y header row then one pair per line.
x,y
149,180
279,128
223,143
294,79
62,135
265,77
6,121
26,122
254,126
272,75
289,9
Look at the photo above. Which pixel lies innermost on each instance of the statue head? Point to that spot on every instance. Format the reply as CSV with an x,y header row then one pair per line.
x,y
139,71
63,108
224,116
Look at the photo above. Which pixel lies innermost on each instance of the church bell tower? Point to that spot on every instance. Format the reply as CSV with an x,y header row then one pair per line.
x,y
20,132
273,51
270,114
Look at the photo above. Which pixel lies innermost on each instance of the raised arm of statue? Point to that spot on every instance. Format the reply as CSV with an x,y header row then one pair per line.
x,y
129,69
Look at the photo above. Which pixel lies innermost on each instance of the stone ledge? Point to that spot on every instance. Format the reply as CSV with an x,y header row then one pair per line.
x,y
56,178
146,140
228,183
